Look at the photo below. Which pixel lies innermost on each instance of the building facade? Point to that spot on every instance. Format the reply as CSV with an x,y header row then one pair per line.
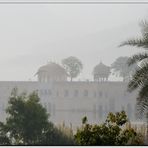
x,y
69,102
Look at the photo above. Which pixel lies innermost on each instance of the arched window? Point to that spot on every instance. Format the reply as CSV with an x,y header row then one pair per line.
x,y
100,111
106,95
46,92
49,92
41,92
111,104
100,94
85,93
45,105
76,92
49,107
66,93
54,109
95,94
57,93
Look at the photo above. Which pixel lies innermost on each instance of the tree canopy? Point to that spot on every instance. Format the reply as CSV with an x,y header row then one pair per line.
x,y
73,66
111,132
27,123
140,78
122,67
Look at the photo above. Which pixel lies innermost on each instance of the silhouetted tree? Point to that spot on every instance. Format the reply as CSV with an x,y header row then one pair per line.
x,y
121,66
73,66
27,123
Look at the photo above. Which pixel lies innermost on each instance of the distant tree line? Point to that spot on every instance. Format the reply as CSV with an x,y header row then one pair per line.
x,y
120,67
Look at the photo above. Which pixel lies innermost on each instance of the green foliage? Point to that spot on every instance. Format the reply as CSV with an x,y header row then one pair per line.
x,y
140,78
73,66
84,120
27,123
109,133
27,119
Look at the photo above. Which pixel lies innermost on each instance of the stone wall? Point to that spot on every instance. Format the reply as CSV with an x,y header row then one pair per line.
x,y
70,101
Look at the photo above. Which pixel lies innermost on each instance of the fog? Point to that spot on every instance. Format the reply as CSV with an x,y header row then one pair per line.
x,y
32,35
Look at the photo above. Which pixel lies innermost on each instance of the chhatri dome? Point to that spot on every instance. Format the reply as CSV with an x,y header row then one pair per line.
x,y
51,72
101,72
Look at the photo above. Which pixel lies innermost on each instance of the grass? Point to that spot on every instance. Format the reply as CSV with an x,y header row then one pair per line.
x,y
141,129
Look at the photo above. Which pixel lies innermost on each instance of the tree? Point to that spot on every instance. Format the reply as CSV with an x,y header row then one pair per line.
x,y
121,66
27,123
73,66
109,133
140,78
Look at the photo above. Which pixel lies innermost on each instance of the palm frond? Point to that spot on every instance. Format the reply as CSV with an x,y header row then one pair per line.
x,y
139,42
138,78
141,106
137,58
143,42
144,28
144,89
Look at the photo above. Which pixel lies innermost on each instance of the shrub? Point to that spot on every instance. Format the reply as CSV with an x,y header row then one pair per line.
x,y
111,132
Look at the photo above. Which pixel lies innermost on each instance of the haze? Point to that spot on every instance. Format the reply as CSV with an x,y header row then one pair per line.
x,y
32,35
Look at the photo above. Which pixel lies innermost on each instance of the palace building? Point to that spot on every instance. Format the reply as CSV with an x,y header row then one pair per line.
x,y
68,101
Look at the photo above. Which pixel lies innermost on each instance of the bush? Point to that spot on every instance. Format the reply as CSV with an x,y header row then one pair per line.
x,y
111,132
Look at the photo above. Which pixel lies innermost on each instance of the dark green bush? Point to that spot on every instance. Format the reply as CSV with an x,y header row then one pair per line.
x,y
27,123
111,132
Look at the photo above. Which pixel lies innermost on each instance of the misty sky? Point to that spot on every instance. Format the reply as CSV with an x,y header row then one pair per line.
x,y
32,35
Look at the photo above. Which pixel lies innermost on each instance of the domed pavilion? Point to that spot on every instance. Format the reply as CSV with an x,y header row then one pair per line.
x,y
51,72
101,72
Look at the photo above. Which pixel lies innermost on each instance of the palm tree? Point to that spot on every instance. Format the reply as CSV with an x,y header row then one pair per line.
x,y
140,77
